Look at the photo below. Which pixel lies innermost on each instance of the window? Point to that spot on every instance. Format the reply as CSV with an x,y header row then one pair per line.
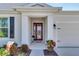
x,y
4,27
7,27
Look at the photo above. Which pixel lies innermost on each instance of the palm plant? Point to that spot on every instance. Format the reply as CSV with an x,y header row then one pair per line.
x,y
50,45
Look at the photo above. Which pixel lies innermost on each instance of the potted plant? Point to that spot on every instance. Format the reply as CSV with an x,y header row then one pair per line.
x,y
50,45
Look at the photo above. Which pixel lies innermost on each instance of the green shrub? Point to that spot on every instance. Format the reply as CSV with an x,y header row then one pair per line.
x,y
4,52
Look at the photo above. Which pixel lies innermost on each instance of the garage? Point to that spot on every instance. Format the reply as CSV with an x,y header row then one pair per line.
x,y
67,31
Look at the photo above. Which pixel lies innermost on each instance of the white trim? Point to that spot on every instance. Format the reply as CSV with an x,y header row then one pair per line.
x,y
8,27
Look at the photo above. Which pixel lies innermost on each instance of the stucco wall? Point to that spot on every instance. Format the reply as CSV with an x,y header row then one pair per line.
x,y
67,35
17,38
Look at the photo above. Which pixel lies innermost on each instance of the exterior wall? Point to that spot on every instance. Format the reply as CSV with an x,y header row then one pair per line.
x,y
23,27
17,37
68,34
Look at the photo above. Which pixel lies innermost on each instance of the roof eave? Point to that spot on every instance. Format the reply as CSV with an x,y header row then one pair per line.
x,y
53,9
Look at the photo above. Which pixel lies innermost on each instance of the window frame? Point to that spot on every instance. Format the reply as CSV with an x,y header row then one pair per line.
x,y
8,19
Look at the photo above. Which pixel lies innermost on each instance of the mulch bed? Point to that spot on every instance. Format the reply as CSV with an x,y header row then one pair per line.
x,y
26,54
50,53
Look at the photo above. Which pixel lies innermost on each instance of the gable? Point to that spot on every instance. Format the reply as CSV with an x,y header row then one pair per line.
x,y
36,5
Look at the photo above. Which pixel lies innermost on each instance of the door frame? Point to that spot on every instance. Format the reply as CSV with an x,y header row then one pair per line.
x,y
36,30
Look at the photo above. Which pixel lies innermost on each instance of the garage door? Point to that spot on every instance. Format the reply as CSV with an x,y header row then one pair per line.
x,y
67,34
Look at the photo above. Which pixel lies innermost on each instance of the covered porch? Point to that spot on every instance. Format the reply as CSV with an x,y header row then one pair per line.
x,y
28,30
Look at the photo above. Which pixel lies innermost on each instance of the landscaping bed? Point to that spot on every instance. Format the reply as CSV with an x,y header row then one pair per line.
x,y
50,53
3,52
11,49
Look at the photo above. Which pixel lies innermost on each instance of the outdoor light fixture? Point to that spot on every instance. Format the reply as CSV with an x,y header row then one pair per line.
x,y
54,26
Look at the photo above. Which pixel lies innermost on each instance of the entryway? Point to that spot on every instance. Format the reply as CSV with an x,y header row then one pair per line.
x,y
37,31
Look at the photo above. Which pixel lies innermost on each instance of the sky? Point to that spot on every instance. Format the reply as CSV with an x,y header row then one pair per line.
x,y
66,6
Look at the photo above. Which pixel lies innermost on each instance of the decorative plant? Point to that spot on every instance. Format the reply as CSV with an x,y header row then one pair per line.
x,y
4,52
13,50
24,48
15,44
50,45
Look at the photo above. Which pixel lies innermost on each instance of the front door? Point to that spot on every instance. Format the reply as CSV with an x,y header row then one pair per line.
x,y
38,31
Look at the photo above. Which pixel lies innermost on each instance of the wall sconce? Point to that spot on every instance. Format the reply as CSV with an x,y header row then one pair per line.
x,y
54,26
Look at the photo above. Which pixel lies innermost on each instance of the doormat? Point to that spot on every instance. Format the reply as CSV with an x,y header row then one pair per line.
x,y
52,53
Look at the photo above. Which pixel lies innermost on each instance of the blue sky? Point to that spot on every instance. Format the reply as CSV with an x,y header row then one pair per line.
x,y
66,6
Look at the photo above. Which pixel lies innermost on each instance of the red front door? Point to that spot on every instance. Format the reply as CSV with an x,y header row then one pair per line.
x,y
38,31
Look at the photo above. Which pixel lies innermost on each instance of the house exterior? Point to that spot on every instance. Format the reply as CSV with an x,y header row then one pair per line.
x,y
31,22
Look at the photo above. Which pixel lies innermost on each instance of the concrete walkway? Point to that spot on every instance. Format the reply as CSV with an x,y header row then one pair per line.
x,y
36,45
37,48
37,52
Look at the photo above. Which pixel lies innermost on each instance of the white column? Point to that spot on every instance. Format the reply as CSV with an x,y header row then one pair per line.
x,y
25,29
50,27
